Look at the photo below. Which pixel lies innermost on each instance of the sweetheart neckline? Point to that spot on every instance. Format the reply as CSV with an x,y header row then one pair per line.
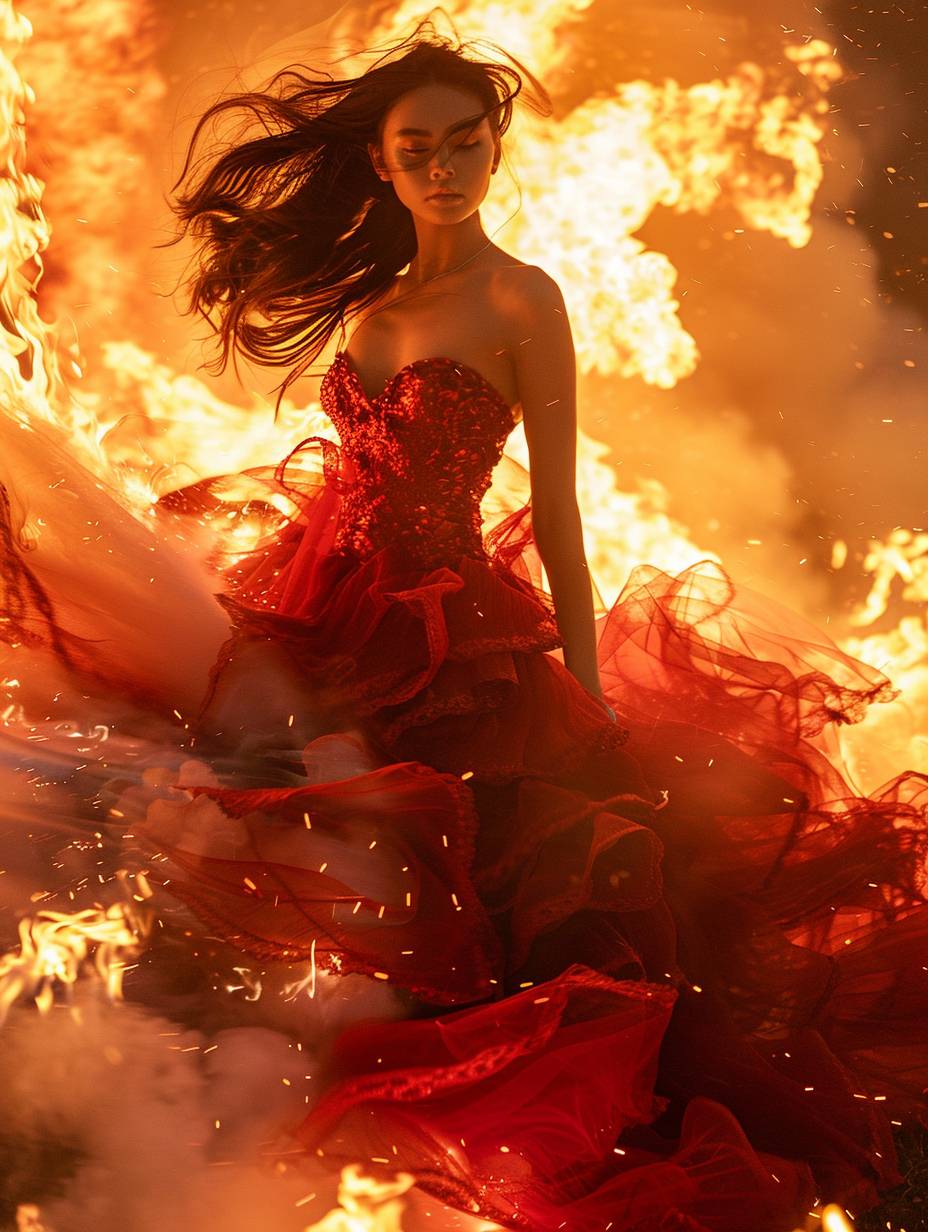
x,y
415,363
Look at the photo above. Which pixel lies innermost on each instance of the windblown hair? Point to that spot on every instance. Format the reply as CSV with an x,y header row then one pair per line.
x,y
293,227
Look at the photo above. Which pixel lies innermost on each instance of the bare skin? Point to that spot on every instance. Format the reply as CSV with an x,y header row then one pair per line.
x,y
496,314
464,316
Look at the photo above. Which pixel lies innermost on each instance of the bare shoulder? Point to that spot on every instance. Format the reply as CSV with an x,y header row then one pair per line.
x,y
532,319
526,290
532,314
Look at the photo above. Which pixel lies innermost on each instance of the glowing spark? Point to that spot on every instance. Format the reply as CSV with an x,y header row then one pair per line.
x,y
308,983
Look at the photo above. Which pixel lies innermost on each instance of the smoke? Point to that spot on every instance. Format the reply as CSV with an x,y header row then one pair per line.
x,y
110,1122
176,1106
117,1117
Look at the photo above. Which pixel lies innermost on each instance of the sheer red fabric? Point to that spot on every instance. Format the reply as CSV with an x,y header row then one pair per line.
x,y
515,1111
670,970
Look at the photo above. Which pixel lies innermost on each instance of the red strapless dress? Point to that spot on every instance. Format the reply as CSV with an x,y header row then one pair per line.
x,y
668,972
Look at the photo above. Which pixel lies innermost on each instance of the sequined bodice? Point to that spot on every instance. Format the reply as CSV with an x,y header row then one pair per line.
x,y
421,452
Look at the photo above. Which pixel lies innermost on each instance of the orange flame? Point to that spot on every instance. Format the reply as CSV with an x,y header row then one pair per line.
x,y
366,1204
29,1219
894,734
835,1219
55,948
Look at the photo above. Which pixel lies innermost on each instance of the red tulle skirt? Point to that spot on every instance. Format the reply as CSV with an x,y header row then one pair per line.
x,y
668,972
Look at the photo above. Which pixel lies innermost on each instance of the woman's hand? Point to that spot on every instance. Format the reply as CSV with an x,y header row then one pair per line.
x,y
605,705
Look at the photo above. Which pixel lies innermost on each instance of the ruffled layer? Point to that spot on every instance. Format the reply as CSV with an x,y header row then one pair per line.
x,y
534,1113
349,874
440,664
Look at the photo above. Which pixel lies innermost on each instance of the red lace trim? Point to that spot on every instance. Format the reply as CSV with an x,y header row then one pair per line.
x,y
547,636
423,1082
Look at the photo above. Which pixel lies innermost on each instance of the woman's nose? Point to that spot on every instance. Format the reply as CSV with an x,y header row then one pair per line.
x,y
441,160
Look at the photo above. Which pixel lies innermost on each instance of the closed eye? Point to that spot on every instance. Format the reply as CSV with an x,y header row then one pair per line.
x,y
424,150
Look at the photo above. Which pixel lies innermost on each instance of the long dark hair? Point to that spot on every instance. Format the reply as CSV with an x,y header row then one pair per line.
x,y
293,227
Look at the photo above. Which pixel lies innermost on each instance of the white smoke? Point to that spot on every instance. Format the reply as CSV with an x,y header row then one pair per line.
x,y
116,1118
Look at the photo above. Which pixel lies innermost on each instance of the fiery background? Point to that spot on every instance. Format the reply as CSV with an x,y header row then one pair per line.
x,y
731,203
731,200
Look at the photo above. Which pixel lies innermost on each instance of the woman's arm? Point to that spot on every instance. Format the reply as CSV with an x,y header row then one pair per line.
x,y
543,354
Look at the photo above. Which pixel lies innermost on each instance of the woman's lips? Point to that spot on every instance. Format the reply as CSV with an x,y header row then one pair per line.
x,y
445,196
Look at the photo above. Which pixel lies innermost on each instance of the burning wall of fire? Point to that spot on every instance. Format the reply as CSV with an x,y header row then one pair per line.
x,y
80,348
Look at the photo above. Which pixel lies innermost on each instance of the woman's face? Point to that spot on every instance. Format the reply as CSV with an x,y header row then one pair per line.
x,y
432,142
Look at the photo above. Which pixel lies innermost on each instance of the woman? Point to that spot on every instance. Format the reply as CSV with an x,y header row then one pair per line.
x,y
664,968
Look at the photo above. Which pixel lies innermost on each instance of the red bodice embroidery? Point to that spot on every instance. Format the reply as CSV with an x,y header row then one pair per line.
x,y
422,453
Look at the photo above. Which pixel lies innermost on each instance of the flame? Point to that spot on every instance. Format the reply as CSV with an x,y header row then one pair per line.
x,y
532,31
96,146
730,142
28,366
31,378
29,1219
306,983
834,1219
648,532
366,1204
894,734
55,948
903,556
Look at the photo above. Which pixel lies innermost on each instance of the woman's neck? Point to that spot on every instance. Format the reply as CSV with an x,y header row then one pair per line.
x,y
442,249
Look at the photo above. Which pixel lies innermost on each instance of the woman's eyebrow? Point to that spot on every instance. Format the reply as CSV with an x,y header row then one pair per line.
x,y
470,122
